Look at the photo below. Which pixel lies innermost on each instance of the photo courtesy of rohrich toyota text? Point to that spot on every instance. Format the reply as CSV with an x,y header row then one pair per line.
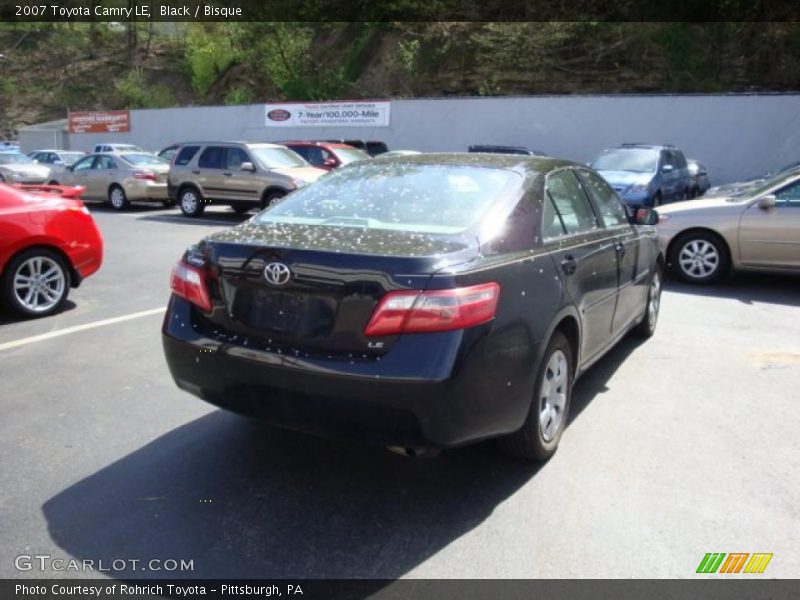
x,y
399,300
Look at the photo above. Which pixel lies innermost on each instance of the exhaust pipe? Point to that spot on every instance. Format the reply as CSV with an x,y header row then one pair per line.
x,y
414,452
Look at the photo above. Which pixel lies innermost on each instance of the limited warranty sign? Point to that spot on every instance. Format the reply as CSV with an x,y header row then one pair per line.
x,y
329,114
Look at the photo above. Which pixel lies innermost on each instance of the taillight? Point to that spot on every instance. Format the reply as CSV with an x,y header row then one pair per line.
x,y
144,175
190,283
434,310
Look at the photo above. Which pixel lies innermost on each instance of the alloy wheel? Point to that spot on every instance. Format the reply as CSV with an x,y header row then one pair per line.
x,y
39,283
699,259
117,197
553,395
654,302
189,202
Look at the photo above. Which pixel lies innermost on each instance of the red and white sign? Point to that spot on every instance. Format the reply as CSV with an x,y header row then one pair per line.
x,y
109,121
354,113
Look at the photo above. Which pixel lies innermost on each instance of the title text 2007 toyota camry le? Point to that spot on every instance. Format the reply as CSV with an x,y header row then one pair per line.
x,y
420,302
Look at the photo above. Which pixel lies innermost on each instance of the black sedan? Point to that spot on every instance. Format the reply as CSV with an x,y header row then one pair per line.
x,y
420,302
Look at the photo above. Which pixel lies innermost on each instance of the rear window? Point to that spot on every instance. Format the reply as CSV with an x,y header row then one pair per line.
x,y
143,159
185,155
417,198
212,158
637,160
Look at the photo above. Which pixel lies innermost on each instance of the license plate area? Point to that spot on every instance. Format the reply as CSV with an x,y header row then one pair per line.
x,y
295,314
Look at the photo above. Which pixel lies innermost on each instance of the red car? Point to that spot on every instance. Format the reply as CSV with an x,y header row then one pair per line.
x,y
48,243
326,155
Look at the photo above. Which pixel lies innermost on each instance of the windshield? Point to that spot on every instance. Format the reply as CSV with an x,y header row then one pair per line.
x,y
348,155
396,196
144,160
636,160
70,158
777,181
14,159
277,158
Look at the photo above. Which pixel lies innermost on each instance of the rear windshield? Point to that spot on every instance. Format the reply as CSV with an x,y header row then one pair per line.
x,y
277,158
14,159
144,159
442,199
348,155
70,158
637,160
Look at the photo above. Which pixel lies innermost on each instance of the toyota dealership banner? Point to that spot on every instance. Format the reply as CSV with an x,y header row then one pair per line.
x,y
328,114
109,121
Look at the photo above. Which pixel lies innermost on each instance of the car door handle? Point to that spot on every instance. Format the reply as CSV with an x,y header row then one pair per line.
x,y
621,249
196,172
569,264
227,174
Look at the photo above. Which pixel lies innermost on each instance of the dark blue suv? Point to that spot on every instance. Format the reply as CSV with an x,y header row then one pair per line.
x,y
644,174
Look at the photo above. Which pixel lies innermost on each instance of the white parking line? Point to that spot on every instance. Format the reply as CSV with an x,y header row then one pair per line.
x,y
59,332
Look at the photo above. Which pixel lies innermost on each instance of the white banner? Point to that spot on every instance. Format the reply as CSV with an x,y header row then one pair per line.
x,y
328,114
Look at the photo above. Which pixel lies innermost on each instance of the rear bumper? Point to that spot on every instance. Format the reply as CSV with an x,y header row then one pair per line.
x,y
143,189
442,391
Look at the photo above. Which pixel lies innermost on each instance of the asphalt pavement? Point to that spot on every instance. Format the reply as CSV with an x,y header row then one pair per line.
x,y
680,445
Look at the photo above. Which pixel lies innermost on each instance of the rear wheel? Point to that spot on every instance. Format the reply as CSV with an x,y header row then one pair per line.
x,y
542,430
271,197
117,198
191,202
699,257
36,283
648,325
657,199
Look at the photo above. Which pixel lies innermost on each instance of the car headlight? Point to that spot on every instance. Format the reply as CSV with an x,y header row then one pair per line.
x,y
299,182
639,187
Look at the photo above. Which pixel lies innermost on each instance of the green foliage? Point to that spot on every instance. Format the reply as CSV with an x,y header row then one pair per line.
x,y
210,50
240,95
134,92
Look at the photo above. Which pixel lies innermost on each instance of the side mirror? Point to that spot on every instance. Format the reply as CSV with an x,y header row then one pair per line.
x,y
767,202
70,167
247,166
645,216
667,169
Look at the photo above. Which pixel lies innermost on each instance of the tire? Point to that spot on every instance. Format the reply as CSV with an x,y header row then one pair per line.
x,y
54,182
647,327
270,197
36,300
191,202
657,199
538,438
699,257
240,207
117,198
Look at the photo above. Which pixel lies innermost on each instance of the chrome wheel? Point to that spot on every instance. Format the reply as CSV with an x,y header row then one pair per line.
x,y
654,300
39,284
553,395
189,202
117,198
699,259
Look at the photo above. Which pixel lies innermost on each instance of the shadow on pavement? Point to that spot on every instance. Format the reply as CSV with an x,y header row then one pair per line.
x,y
6,316
746,288
244,500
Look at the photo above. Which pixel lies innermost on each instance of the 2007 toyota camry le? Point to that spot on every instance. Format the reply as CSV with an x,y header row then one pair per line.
x,y
419,302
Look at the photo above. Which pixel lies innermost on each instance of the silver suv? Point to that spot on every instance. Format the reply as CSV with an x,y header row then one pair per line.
x,y
241,174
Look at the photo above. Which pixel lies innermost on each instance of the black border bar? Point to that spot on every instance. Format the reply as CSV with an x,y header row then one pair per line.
x,y
400,10
713,588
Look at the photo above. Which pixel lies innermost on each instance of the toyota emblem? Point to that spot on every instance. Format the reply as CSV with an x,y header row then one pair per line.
x,y
277,273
